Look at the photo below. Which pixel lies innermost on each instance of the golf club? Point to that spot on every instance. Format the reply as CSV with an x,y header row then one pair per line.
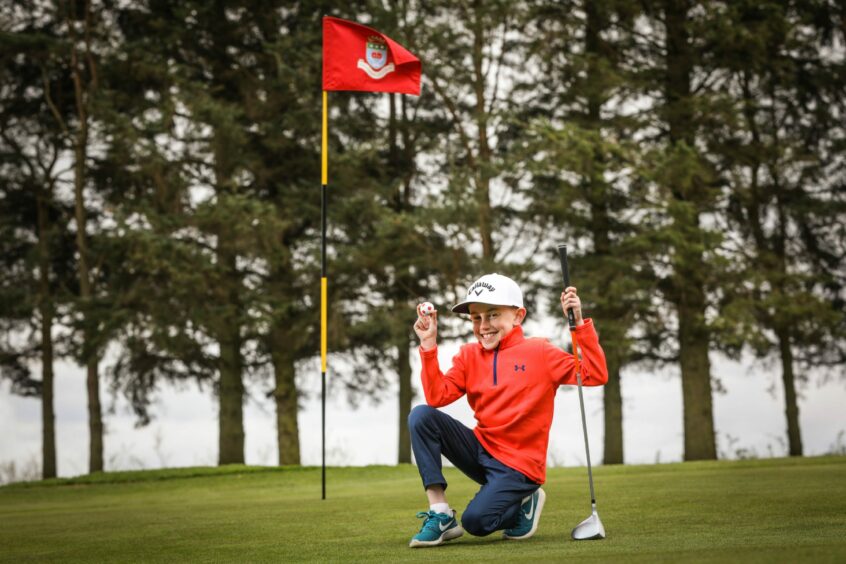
x,y
591,528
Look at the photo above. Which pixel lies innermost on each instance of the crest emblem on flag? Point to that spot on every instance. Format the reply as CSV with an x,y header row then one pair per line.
x,y
377,52
376,58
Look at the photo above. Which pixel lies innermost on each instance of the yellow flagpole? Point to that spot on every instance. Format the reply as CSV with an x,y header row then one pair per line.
x,y
324,152
324,180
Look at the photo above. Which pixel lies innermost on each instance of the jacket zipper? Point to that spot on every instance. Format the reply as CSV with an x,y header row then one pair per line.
x,y
496,352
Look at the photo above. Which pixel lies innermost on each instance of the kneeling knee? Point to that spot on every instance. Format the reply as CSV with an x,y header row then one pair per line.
x,y
474,523
419,414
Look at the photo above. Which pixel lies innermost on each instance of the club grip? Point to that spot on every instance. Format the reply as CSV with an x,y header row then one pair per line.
x,y
562,254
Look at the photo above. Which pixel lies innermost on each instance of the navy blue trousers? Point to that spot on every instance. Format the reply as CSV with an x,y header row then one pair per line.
x,y
497,504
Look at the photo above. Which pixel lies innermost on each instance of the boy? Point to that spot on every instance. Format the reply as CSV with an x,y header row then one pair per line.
x,y
510,382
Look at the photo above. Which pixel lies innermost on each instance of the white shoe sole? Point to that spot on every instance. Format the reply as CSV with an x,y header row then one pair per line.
x,y
538,509
448,535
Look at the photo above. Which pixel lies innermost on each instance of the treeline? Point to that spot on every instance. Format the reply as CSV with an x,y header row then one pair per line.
x,y
160,193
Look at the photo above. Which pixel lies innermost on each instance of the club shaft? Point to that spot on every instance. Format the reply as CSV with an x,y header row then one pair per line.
x,y
584,430
565,272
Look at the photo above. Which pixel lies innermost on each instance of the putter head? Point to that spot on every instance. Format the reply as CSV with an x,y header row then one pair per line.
x,y
590,529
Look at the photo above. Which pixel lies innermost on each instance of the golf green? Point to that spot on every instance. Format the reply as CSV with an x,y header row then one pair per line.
x,y
775,510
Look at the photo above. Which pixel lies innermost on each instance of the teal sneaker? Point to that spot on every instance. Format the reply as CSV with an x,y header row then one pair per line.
x,y
530,513
437,528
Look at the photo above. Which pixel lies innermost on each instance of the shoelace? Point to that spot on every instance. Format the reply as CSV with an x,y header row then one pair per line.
x,y
430,520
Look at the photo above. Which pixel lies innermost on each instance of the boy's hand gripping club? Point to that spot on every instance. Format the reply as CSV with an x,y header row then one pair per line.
x,y
562,254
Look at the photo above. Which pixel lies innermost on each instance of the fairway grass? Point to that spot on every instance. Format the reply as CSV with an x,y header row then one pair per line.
x,y
775,510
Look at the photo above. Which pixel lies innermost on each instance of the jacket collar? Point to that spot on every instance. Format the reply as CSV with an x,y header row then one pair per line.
x,y
513,337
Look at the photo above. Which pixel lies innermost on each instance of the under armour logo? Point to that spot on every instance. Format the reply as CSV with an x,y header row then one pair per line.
x,y
519,367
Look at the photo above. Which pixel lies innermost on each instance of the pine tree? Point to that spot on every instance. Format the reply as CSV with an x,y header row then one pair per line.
x,y
222,224
782,114
38,249
474,53
65,42
583,189
685,193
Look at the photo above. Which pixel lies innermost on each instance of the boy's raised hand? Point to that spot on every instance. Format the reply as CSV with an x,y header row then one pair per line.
x,y
570,300
426,327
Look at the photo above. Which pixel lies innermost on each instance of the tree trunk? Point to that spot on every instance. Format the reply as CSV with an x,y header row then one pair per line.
x,y
688,286
405,394
600,226
679,61
482,173
794,437
612,402
45,306
782,329
285,395
699,442
92,381
95,419
608,317
82,93
231,420
768,259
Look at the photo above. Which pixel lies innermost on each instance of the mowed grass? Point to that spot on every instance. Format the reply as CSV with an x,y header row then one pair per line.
x,y
778,510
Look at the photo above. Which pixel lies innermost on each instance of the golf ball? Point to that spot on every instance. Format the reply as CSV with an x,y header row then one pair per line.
x,y
426,308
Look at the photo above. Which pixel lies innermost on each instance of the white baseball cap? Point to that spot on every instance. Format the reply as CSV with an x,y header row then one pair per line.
x,y
492,289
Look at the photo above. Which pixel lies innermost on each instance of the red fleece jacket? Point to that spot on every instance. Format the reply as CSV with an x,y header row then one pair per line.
x,y
512,389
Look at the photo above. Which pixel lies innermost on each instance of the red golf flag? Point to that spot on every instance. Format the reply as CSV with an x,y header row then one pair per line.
x,y
356,57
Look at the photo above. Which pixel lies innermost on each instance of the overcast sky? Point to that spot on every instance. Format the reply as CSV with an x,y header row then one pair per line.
x,y
184,432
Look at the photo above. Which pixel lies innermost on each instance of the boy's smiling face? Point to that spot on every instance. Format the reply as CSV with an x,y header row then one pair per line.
x,y
492,323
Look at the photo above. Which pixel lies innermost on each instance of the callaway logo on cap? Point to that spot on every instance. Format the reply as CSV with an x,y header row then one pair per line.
x,y
492,289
